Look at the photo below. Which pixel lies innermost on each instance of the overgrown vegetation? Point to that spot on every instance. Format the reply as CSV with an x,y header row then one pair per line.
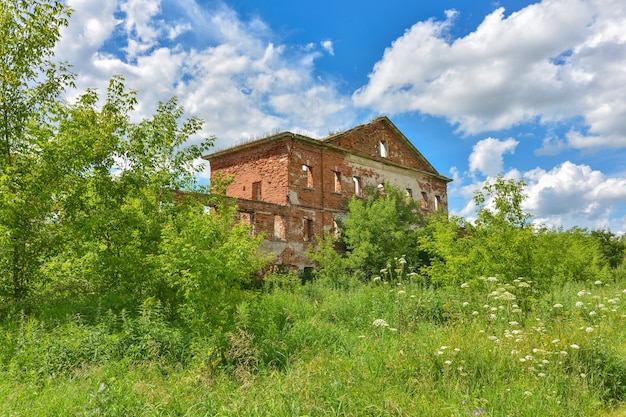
x,y
119,295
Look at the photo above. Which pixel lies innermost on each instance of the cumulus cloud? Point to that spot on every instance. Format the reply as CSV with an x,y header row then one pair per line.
x,y
228,71
571,190
328,46
487,155
550,62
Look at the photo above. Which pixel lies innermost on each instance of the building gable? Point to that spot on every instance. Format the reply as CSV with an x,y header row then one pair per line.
x,y
381,140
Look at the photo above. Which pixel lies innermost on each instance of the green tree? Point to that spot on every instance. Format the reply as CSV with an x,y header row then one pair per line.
x,y
30,84
381,227
499,204
124,185
612,248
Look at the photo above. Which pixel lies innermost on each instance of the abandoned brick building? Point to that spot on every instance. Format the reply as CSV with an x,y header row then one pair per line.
x,y
291,187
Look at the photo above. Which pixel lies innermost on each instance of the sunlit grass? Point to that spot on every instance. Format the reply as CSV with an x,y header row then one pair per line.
x,y
481,348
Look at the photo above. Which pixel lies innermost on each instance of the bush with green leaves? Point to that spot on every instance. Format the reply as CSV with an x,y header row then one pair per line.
x,y
502,243
378,228
381,227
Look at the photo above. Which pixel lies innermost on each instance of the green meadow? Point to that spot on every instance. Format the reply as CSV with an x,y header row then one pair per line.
x,y
383,348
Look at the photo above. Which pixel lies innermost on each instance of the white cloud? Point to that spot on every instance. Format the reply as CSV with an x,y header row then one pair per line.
x,y
328,46
487,155
80,42
551,61
572,194
233,76
138,24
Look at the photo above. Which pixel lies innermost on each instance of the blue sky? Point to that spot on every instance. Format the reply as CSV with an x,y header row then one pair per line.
x,y
530,90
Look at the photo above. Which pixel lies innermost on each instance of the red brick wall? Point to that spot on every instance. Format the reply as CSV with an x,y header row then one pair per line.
x,y
266,164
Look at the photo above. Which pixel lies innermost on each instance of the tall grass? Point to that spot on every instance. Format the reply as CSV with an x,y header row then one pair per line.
x,y
384,348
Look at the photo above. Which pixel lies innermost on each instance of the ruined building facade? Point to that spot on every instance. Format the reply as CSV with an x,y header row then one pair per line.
x,y
291,187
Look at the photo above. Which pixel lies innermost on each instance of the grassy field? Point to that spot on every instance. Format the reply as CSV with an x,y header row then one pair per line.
x,y
376,349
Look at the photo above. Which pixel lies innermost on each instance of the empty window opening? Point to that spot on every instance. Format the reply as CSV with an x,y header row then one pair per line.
x,y
383,149
256,190
437,202
424,201
308,172
409,193
279,228
308,230
357,186
247,217
337,182
336,230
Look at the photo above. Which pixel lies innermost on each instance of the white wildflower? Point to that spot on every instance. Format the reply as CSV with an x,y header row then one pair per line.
x,y
380,323
574,346
507,296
